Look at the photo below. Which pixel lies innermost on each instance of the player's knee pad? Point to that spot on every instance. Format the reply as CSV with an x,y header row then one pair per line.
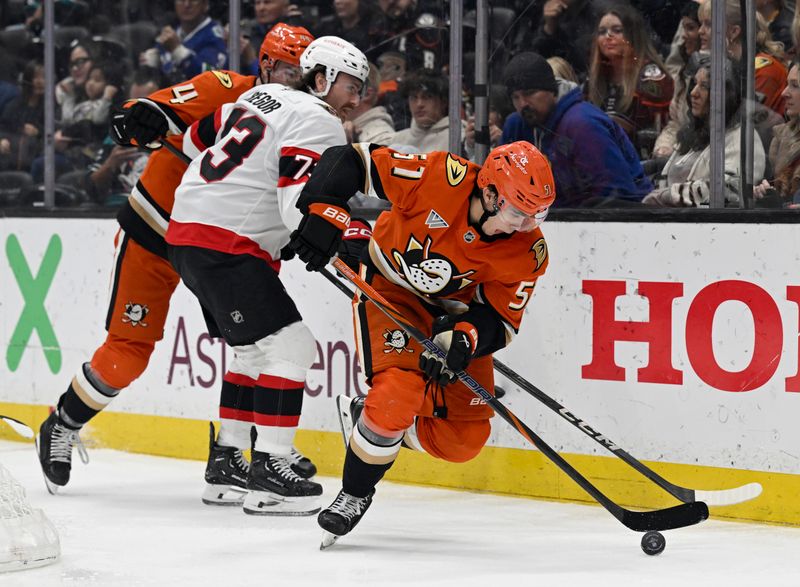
x,y
119,361
248,360
456,441
289,353
395,398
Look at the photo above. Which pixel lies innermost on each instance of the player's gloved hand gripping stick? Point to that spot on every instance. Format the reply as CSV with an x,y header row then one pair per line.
x,y
138,122
678,516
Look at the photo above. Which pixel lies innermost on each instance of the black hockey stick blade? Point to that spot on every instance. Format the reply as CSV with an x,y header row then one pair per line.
x,y
679,516
712,497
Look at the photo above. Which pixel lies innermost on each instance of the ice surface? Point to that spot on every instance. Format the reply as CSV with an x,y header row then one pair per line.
x,y
137,520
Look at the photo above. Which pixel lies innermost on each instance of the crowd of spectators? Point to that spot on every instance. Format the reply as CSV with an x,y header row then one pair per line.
x,y
614,92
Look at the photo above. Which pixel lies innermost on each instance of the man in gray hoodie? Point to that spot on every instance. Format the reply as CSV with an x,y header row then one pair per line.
x,y
368,122
426,92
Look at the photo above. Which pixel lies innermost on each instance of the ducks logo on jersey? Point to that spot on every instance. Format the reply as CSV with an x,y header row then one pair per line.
x,y
396,340
429,272
135,314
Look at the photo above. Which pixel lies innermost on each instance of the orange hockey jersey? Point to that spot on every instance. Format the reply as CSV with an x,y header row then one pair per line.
x,y
770,81
427,245
146,214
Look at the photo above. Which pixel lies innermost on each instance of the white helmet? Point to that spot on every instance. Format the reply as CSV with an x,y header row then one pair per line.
x,y
337,55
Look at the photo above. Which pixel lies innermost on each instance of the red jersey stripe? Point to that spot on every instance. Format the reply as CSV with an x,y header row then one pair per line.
x,y
275,382
195,136
234,414
239,379
277,421
215,238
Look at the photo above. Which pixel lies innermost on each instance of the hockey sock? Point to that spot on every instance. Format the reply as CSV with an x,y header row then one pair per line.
x,y
236,410
85,397
369,456
360,478
277,403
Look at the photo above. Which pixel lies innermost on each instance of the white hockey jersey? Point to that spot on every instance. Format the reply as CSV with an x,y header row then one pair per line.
x,y
251,160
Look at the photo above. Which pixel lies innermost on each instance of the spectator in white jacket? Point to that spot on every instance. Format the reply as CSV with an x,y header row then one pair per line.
x,y
687,173
368,122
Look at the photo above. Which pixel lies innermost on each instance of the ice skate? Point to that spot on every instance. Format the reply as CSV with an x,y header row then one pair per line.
x,y
276,490
341,516
226,474
302,465
350,409
54,446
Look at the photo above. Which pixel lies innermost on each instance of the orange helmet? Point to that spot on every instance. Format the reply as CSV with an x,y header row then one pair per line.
x,y
521,175
284,43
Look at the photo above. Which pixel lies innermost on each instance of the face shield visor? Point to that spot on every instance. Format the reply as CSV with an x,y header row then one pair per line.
x,y
517,219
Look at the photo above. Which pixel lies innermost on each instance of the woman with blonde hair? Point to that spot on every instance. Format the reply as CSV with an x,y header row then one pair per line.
x,y
784,152
562,69
627,78
685,44
770,71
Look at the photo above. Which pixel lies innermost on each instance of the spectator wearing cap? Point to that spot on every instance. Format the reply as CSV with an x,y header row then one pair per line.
x,y
592,158
414,29
426,92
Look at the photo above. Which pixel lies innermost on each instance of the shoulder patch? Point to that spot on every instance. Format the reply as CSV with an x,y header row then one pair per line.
x,y
223,78
456,170
652,72
763,61
539,250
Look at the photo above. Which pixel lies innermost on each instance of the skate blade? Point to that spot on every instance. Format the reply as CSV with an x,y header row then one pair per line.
x,y
328,540
223,495
264,503
52,488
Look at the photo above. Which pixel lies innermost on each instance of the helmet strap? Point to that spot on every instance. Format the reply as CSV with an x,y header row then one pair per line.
x,y
326,90
487,213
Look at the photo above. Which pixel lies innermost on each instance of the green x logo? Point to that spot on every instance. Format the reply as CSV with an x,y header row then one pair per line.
x,y
34,291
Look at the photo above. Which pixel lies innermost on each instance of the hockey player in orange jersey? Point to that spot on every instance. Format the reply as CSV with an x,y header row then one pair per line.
x,y
459,255
144,280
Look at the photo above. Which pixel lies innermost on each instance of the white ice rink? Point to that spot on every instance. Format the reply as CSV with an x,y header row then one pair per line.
x,y
136,520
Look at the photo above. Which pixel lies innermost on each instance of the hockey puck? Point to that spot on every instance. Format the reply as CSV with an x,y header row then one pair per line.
x,y
653,543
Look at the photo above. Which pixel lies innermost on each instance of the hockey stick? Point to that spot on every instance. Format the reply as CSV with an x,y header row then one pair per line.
x,y
678,516
19,427
175,151
718,497
714,497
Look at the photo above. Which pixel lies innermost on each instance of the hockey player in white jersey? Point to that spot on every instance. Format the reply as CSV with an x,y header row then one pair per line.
x,y
234,212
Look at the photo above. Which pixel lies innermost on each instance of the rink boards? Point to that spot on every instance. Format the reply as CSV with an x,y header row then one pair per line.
x,y
679,342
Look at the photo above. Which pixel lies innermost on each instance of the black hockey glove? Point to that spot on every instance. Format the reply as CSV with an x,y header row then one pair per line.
x,y
354,240
317,238
138,123
458,340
